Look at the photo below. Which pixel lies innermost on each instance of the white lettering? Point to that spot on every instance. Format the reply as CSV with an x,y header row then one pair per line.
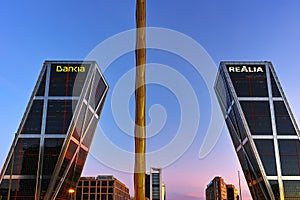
x,y
259,69
231,69
244,69
250,69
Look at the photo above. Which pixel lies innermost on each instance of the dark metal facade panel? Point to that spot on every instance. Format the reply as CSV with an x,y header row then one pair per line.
x,y
51,145
262,127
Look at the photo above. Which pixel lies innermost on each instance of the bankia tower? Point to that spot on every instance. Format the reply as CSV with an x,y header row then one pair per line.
x,y
52,142
262,128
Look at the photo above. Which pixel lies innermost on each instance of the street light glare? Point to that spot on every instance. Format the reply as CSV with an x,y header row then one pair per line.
x,y
71,191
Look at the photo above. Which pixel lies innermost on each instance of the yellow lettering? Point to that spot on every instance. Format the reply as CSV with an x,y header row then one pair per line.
x,y
58,68
66,69
82,69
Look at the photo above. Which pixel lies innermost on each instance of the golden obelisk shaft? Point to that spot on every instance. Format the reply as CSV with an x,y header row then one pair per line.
x,y
140,104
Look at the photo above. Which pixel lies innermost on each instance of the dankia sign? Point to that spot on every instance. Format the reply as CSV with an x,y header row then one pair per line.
x,y
71,68
245,69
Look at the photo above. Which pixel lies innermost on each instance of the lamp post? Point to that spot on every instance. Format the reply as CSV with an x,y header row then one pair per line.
x,y
240,189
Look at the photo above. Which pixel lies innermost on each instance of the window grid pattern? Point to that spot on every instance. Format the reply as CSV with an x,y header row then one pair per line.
x,y
90,188
50,113
249,84
270,124
73,169
155,183
290,157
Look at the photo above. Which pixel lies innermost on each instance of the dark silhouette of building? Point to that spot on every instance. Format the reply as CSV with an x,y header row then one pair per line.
x,y
101,188
232,192
262,128
147,185
51,145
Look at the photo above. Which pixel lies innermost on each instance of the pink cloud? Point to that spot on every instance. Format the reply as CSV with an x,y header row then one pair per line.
x,y
178,196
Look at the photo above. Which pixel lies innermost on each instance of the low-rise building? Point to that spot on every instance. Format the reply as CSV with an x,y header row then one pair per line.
x,y
102,187
216,189
232,192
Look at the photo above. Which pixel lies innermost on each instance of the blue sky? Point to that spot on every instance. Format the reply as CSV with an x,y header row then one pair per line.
x,y
33,31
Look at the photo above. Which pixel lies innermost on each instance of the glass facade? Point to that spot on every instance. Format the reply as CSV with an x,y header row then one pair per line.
x,y
155,184
262,127
50,148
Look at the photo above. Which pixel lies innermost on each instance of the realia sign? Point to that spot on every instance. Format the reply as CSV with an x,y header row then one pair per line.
x,y
245,69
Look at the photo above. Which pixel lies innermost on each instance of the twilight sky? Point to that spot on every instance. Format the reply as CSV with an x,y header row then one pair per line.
x,y
33,31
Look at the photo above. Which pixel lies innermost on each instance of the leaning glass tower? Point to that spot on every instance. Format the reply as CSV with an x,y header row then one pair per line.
x,y
52,142
262,128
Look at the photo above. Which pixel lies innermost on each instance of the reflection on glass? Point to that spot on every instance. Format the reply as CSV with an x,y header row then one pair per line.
x,y
24,160
33,121
289,151
258,117
266,152
284,123
59,116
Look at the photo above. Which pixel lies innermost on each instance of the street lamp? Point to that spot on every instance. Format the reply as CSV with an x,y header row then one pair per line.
x,y
71,191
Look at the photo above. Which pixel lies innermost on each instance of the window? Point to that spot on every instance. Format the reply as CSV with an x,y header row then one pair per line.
x,y
233,131
258,117
93,183
110,190
77,133
59,116
239,123
25,157
266,153
291,190
110,197
284,123
66,83
249,84
22,188
97,91
222,90
41,89
52,147
275,189
33,121
103,197
86,183
275,90
104,190
111,183
289,151
90,132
